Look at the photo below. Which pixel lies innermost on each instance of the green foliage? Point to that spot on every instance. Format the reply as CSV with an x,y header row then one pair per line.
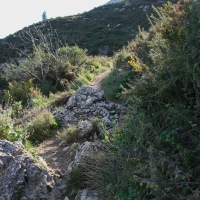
x,y
144,162
16,108
42,126
76,180
118,79
37,99
90,68
121,58
44,15
171,74
156,155
60,98
98,127
8,129
52,70
120,75
69,135
74,55
18,92
30,148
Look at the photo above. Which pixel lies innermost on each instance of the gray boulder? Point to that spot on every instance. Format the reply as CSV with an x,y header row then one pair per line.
x,y
22,178
87,194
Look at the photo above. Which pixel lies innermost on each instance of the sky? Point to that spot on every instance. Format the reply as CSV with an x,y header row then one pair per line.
x,y
17,14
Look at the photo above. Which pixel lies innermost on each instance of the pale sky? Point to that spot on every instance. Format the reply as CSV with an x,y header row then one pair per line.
x,y
17,14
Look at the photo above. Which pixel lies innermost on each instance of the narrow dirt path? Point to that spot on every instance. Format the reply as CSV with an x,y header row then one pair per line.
x,y
96,82
53,150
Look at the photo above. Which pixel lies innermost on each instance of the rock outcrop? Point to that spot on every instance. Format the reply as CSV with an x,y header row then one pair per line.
x,y
21,178
84,150
87,104
87,194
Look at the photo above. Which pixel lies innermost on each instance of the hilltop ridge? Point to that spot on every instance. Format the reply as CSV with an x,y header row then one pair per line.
x,y
103,30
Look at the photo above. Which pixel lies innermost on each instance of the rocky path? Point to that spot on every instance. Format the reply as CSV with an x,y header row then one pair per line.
x,y
96,82
53,150
80,110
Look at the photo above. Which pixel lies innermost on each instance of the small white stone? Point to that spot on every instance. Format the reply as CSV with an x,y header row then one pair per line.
x,y
54,159
61,143
66,149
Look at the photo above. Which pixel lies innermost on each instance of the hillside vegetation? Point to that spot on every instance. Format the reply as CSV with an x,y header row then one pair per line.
x,y
155,154
102,30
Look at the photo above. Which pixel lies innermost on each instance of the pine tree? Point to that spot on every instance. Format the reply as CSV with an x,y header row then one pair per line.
x,y
44,15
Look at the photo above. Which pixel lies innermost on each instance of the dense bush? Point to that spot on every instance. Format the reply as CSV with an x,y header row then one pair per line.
x,y
42,126
46,66
119,76
69,135
8,129
52,70
156,155
18,91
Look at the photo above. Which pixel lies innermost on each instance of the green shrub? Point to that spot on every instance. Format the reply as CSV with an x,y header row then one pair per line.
x,y
91,68
30,148
18,91
52,70
97,128
42,126
8,129
119,79
69,135
16,108
76,180
60,98
74,55
121,58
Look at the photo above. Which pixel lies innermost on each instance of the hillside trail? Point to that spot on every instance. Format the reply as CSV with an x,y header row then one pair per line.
x,y
96,82
54,150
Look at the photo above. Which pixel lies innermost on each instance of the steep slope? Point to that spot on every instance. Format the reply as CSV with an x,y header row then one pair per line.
x,y
102,30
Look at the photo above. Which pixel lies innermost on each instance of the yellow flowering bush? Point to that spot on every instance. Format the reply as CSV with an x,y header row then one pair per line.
x,y
136,64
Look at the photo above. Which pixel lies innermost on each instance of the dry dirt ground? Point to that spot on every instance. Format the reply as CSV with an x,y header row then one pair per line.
x,y
96,82
52,152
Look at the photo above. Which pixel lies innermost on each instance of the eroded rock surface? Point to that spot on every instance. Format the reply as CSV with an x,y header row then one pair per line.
x,y
22,178
87,104
87,194
84,150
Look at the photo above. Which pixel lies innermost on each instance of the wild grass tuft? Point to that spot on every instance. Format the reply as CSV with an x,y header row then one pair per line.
x,y
69,134
42,126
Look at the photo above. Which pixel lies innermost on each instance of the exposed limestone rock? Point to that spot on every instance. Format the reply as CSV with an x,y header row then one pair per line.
x,y
84,150
87,195
22,178
87,104
145,8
